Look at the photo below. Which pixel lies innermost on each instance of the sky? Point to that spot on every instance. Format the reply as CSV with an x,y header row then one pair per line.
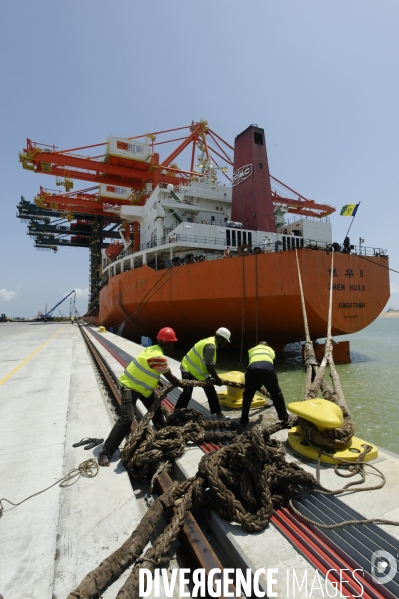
x,y
320,76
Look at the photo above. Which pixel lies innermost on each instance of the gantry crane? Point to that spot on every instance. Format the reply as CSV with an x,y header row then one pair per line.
x,y
141,176
52,228
121,167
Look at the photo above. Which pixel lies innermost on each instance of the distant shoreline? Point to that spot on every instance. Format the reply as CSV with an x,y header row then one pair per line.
x,y
390,314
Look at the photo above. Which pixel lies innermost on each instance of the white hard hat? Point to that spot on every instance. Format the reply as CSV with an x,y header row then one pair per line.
x,y
223,332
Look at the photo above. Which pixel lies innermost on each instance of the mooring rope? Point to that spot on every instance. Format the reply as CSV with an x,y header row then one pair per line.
x,y
331,438
243,482
354,468
87,469
315,380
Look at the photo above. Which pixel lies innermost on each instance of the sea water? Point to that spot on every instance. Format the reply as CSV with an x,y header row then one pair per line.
x,y
370,383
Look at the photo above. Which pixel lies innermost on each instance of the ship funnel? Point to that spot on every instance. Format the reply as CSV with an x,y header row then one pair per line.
x,y
252,202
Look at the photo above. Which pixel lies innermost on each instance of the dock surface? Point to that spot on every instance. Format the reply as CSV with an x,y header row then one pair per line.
x,y
50,398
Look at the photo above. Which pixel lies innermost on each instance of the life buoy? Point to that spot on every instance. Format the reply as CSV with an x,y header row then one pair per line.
x,y
172,239
201,258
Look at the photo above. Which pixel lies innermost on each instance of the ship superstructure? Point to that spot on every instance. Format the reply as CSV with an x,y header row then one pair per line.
x,y
193,223
214,243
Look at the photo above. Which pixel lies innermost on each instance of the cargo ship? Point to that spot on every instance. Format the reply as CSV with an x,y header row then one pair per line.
x,y
214,255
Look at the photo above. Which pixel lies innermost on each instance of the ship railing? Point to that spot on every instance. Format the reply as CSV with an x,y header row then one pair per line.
x,y
358,250
167,230
283,243
295,219
362,250
211,220
211,248
183,239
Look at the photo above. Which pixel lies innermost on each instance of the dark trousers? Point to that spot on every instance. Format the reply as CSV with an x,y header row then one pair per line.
x,y
210,393
254,379
122,426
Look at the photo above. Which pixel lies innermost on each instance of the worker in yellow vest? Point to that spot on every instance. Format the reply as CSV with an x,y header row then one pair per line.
x,y
260,371
199,365
138,381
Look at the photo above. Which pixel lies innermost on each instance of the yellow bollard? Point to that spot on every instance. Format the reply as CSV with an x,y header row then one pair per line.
x,y
233,398
324,415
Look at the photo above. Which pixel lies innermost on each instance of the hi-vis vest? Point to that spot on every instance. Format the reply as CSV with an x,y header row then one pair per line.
x,y
139,376
261,353
194,362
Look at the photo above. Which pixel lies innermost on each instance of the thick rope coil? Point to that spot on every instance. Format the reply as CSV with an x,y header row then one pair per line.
x,y
243,482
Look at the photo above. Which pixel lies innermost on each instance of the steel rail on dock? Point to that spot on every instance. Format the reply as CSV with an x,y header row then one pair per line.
x,y
191,536
326,554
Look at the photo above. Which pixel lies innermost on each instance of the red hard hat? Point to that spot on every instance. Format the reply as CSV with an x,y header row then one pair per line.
x,y
167,335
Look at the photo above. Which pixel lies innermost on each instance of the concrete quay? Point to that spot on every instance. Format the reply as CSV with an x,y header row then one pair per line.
x,y
49,399
270,549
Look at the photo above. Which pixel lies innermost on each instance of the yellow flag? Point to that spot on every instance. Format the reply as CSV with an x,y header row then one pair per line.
x,y
349,210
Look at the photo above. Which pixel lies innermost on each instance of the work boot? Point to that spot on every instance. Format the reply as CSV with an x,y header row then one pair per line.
x,y
287,423
103,459
220,415
241,427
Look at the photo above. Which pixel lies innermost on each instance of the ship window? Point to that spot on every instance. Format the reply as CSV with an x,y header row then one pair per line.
x,y
238,237
228,242
258,139
244,237
233,238
249,238
126,265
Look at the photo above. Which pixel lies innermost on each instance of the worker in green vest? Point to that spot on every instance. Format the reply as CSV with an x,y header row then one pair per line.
x,y
260,371
138,381
199,365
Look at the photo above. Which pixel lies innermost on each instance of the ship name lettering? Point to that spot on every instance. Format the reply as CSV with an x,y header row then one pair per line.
x,y
357,287
351,305
337,287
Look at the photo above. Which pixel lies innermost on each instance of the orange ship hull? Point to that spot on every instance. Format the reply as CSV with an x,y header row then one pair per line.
x,y
255,296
